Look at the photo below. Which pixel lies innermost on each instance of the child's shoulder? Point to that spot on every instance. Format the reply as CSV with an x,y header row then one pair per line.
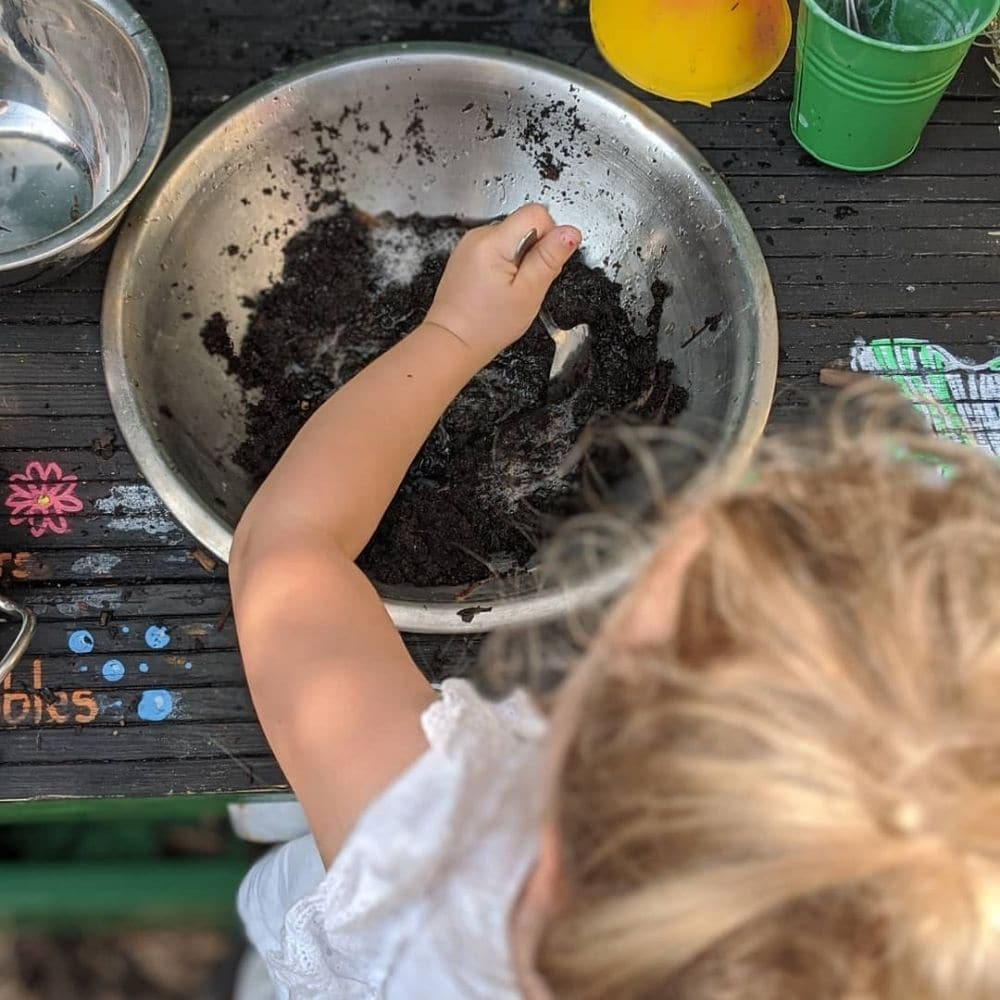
x,y
459,828
461,718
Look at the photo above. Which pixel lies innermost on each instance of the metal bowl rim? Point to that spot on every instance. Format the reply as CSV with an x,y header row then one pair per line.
x,y
154,69
415,616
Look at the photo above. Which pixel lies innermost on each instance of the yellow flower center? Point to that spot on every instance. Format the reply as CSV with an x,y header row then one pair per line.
x,y
43,500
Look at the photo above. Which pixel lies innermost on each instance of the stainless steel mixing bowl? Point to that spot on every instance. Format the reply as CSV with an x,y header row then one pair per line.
x,y
210,226
84,112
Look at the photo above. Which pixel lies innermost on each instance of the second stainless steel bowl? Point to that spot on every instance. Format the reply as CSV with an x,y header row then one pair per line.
x,y
84,113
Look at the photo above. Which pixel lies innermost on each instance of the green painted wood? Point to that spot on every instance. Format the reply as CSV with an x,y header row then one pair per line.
x,y
142,893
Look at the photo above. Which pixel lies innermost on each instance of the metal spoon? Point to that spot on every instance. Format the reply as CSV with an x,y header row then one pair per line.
x,y
571,348
571,345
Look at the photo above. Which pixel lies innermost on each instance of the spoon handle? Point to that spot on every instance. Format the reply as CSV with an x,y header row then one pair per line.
x,y
549,323
527,242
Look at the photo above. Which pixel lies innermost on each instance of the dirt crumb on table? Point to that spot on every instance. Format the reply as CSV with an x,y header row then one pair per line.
x,y
498,471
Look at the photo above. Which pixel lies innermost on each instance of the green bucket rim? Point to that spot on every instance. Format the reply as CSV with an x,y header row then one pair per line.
x,y
814,8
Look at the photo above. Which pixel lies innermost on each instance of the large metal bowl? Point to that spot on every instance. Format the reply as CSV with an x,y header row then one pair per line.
x,y
644,197
84,112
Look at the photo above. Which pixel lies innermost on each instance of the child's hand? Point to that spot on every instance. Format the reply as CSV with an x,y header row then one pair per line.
x,y
484,298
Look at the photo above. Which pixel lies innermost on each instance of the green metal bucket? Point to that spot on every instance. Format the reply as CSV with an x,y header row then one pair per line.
x,y
861,102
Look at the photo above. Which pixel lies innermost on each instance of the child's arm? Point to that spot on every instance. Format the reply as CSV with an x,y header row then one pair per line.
x,y
334,687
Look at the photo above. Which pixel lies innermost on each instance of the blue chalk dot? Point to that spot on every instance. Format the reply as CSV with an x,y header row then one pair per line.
x,y
125,630
155,706
157,637
143,668
113,670
187,666
81,641
82,668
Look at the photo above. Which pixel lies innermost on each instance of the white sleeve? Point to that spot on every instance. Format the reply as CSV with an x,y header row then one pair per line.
x,y
273,886
343,937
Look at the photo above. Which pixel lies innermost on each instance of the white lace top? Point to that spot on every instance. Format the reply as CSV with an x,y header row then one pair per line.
x,y
416,904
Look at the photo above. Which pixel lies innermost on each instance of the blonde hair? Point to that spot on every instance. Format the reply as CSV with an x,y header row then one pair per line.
x,y
795,791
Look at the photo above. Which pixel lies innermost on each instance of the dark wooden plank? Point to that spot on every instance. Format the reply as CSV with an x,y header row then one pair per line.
x,y
94,536
869,270
118,704
49,306
791,161
189,634
881,216
902,246
829,187
750,111
209,649
978,134
84,605
127,563
92,533
889,300
65,398
221,12
39,369
54,432
85,463
132,743
32,781
819,341
80,338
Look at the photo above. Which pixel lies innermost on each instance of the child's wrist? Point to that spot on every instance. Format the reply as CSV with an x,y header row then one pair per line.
x,y
473,350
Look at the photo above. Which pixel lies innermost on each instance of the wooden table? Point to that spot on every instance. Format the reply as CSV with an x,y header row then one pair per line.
x,y
907,254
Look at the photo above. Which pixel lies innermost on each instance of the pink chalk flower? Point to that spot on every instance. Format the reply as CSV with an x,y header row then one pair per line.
x,y
42,496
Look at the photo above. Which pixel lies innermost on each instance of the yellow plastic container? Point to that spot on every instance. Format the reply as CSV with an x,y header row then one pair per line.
x,y
693,50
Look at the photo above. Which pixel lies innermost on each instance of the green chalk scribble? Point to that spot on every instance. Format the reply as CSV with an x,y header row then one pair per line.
x,y
959,399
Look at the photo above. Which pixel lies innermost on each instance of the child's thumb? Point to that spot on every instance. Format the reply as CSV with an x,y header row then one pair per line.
x,y
542,264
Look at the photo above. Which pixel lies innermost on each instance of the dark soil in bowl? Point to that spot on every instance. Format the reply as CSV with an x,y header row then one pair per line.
x,y
502,468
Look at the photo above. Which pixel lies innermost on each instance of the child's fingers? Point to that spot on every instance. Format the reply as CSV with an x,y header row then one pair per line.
x,y
546,258
507,235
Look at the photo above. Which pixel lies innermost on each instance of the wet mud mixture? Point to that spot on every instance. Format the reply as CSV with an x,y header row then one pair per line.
x,y
502,467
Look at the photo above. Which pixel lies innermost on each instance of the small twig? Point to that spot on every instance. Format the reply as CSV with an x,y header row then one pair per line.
x,y
239,763
204,560
711,323
467,592
224,617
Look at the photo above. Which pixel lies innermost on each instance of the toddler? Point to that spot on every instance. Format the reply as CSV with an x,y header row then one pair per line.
x,y
772,774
